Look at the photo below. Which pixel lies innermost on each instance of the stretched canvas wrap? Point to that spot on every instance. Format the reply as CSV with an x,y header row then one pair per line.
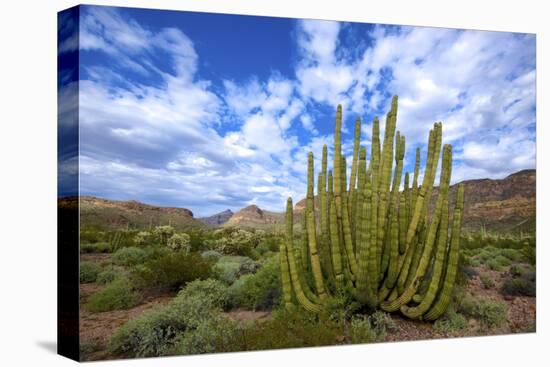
x,y
237,183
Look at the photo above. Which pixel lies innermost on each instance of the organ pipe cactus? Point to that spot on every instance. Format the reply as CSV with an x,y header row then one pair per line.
x,y
370,236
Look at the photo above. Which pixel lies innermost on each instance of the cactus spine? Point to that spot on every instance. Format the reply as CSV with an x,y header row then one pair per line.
x,y
372,238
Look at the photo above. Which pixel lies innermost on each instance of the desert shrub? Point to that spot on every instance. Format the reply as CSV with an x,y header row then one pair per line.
x,y
491,313
529,251
180,242
236,242
487,281
155,252
516,270
171,271
498,263
217,335
157,332
227,272
512,254
382,323
211,255
117,295
91,234
291,329
261,290
341,307
143,238
95,248
163,233
86,349
107,276
149,335
451,322
212,293
361,330
129,256
371,329
520,286
89,271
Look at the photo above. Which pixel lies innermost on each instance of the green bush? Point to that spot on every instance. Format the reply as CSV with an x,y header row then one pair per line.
x,y
143,238
95,248
230,268
512,254
451,322
107,276
371,329
529,251
261,290
171,271
156,252
211,255
217,335
117,295
498,263
361,330
162,331
516,270
491,313
487,281
520,286
89,271
290,329
180,242
129,256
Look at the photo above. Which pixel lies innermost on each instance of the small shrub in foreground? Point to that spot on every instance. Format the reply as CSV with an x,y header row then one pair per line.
x,y
487,281
117,295
171,271
89,271
451,322
95,248
162,331
521,286
107,276
261,290
129,256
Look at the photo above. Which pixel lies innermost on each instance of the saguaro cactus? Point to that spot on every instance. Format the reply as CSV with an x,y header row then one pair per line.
x,y
372,238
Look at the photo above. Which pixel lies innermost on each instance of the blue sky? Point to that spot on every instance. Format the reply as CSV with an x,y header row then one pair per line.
x,y
211,111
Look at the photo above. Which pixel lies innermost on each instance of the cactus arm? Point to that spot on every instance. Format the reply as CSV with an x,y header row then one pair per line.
x,y
300,296
312,241
348,243
353,176
430,239
373,250
439,307
285,277
429,297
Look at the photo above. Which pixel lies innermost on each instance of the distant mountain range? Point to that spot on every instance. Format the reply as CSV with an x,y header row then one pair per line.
x,y
217,219
505,205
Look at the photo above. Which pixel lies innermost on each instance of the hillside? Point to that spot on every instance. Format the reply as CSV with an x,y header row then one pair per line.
x,y
254,217
505,205
133,214
217,219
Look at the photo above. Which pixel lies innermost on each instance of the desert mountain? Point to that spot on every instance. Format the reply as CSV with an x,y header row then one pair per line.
x,y
503,205
120,214
217,219
252,216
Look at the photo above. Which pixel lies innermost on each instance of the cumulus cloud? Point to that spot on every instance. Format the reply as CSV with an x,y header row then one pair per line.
x,y
164,133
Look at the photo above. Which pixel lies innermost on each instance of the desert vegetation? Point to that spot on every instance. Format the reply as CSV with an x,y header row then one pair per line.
x,y
369,259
